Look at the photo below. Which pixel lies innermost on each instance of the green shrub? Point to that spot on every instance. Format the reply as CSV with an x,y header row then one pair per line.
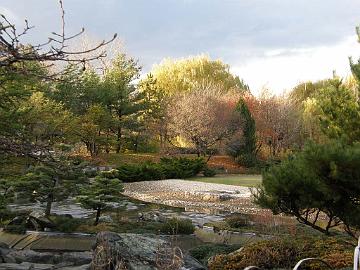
x,y
151,171
182,167
177,226
112,174
285,252
66,224
208,172
167,168
204,252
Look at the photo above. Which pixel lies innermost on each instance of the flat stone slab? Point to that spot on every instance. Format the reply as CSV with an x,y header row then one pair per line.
x,y
46,241
26,266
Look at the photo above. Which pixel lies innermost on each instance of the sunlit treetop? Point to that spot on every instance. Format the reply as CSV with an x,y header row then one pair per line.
x,y
183,75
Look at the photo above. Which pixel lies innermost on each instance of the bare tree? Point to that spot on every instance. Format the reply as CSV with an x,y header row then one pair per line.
x,y
203,117
278,123
55,49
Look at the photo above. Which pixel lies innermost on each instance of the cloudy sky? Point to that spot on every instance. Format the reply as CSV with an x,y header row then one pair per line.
x,y
269,43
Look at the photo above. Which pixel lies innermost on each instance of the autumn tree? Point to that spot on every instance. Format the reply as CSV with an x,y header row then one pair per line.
x,y
203,118
277,121
184,75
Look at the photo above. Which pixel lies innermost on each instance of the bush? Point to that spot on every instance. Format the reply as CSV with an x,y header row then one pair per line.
x,y
286,252
151,171
177,226
209,172
247,160
66,224
237,221
182,167
112,174
204,252
167,168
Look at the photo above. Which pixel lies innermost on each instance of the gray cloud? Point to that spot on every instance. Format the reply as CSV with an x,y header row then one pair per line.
x,y
235,30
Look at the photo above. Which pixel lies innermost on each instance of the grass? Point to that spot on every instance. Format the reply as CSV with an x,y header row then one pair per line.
x,y
233,179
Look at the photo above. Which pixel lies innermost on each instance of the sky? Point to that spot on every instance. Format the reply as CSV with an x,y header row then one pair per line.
x,y
270,44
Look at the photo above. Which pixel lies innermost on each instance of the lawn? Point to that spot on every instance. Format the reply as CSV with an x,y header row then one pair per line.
x,y
232,179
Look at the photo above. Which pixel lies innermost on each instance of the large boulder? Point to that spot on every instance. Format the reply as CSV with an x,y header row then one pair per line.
x,y
140,252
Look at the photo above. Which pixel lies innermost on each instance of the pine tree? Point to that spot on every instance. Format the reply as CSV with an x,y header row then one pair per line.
x,y
244,149
100,193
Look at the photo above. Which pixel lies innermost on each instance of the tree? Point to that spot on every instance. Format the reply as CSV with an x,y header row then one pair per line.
x,y
122,99
39,126
93,129
13,51
339,113
100,193
278,123
305,99
323,180
203,118
78,90
185,75
23,66
55,180
244,147
153,118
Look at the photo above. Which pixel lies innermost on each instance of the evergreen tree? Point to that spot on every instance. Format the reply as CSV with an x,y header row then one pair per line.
x,y
122,99
51,181
321,180
244,149
339,113
100,193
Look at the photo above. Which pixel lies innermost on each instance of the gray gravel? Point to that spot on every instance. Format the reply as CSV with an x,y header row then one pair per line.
x,y
193,196
177,185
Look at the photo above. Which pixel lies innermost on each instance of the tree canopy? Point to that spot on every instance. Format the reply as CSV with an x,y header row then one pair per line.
x,y
175,76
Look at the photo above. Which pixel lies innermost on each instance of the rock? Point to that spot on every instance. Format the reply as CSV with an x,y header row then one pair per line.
x,y
4,251
106,219
225,197
41,220
31,256
138,252
26,266
71,258
152,216
81,267
77,258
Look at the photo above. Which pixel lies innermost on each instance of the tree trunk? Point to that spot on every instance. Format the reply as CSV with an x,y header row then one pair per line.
x,y
98,212
118,141
48,205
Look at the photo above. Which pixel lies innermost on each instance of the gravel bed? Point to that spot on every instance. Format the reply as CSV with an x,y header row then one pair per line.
x,y
192,194
176,185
